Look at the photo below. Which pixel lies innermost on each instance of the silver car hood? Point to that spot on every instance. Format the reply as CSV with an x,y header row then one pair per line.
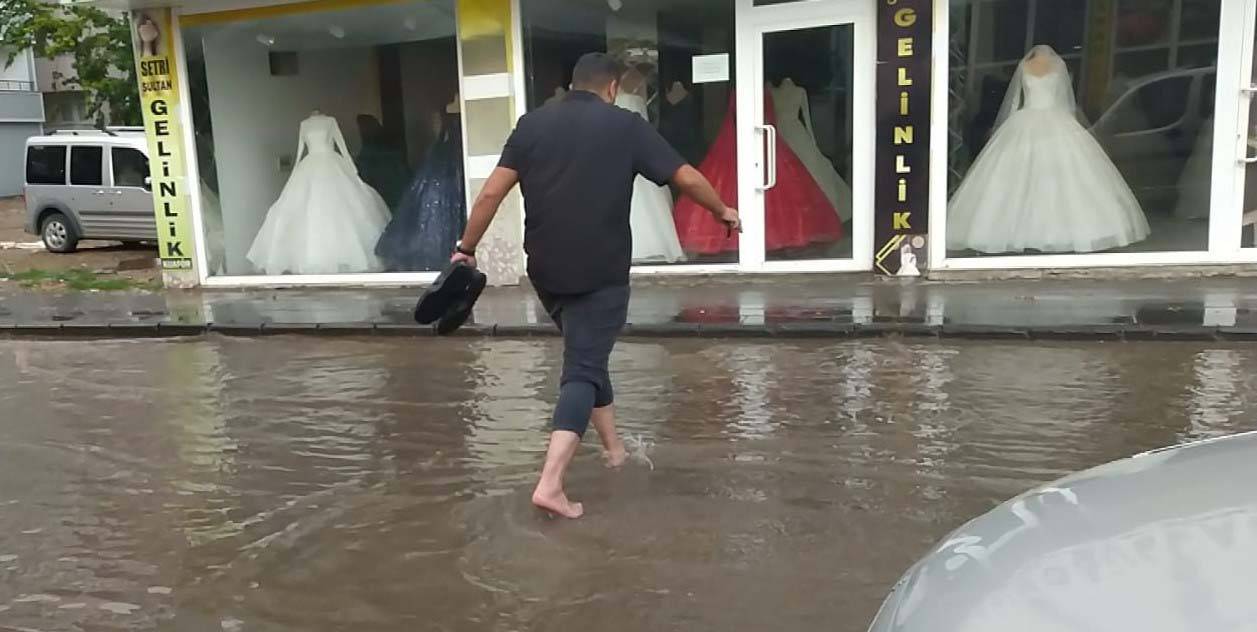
x,y
1162,541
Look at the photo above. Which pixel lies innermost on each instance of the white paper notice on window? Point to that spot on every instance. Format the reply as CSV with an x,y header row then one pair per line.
x,y
711,68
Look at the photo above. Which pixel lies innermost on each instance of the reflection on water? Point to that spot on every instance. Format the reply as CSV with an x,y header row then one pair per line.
x,y
307,484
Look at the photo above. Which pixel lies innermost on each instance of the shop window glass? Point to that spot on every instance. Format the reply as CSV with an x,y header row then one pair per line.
x,y
1133,65
1199,56
810,76
1200,19
657,41
1053,25
1002,34
87,166
329,141
1095,137
1144,22
1155,105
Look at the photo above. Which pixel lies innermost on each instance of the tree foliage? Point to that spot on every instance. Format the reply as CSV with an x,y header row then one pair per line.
x,y
98,42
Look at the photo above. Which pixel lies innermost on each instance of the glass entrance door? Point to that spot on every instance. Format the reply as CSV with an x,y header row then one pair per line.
x,y
807,181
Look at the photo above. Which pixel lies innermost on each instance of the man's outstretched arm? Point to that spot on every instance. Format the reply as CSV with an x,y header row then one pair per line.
x,y
697,188
485,208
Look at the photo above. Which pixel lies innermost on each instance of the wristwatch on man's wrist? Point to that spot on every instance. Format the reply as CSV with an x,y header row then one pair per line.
x,y
458,247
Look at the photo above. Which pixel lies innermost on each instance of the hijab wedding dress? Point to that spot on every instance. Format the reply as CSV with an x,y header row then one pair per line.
x,y
794,123
326,220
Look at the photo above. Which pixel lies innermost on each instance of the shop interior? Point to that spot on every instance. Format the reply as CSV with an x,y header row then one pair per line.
x,y
808,212
1067,139
329,142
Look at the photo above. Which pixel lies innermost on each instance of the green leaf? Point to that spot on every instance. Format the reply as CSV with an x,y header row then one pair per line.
x,y
99,42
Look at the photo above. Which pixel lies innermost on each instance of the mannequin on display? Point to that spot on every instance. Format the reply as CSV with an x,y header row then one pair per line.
x,y
654,233
794,123
432,213
326,220
796,211
1043,183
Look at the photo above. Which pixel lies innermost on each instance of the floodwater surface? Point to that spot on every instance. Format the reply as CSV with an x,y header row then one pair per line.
x,y
309,484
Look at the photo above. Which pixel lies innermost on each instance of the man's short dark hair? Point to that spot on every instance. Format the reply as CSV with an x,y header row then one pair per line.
x,y
595,71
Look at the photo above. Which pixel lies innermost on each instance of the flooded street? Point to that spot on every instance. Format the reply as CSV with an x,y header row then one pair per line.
x,y
307,484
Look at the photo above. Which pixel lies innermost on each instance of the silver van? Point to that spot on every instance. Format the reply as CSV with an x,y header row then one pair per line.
x,y
89,184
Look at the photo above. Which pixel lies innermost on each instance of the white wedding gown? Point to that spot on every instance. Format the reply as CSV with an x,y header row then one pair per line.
x,y
1042,182
794,124
326,220
654,231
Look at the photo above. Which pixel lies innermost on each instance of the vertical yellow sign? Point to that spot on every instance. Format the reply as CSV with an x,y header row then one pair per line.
x,y
159,97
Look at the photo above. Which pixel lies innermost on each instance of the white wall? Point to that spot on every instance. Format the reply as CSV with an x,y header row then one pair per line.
x,y
48,71
256,116
22,68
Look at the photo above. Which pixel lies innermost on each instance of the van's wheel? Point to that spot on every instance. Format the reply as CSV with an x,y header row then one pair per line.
x,y
59,234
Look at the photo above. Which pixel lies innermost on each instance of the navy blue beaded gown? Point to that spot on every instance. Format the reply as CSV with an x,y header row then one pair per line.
x,y
432,213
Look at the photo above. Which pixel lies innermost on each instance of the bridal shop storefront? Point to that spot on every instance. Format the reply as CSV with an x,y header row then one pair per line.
x,y
908,136
1092,134
333,142
339,142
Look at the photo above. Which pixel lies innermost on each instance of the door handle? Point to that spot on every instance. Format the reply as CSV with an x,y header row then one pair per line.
x,y
1249,91
1251,144
100,192
770,137
119,192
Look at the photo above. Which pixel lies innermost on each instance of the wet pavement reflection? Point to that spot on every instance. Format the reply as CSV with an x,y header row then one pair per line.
x,y
1206,305
344,484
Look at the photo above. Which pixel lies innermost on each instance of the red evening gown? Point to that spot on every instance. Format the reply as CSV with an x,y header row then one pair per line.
x,y
797,212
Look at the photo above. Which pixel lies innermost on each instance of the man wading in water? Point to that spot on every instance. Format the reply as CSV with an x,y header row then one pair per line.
x,y
575,161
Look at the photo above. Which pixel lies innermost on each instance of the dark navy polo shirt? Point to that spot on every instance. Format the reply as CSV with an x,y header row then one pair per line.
x,y
577,159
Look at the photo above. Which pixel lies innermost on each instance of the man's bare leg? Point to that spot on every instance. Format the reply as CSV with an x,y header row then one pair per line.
x,y
549,492
603,420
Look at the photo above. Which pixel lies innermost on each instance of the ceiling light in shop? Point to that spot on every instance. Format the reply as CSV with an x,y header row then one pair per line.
x,y
336,31
615,5
266,40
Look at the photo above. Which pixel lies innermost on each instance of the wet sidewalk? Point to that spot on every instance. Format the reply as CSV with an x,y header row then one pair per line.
x,y
1191,309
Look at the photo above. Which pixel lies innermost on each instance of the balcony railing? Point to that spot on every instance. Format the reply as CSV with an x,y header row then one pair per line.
x,y
14,85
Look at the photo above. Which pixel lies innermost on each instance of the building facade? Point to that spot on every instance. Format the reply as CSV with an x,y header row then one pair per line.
x,y
65,104
894,137
21,116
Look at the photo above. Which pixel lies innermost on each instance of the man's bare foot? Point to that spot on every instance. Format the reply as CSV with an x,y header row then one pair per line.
x,y
556,502
615,458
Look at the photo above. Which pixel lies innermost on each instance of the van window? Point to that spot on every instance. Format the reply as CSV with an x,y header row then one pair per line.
x,y
130,167
86,166
45,164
